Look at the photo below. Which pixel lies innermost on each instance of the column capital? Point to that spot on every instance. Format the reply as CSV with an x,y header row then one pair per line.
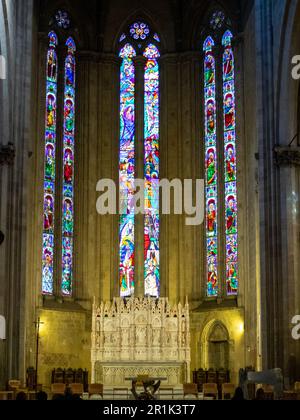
x,y
170,58
43,39
287,156
113,59
191,56
88,56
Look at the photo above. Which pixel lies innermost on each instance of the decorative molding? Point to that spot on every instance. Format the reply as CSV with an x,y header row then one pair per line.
x,y
85,56
190,56
122,374
7,154
58,359
287,156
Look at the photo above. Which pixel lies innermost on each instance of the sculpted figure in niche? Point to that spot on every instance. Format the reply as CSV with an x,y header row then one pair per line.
x,y
125,337
141,337
168,338
173,339
108,338
183,334
156,338
115,339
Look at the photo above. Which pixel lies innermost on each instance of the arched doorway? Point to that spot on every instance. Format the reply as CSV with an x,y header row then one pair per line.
x,y
215,346
218,347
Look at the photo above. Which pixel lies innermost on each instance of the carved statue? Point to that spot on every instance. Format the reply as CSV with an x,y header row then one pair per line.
x,y
156,338
141,336
125,337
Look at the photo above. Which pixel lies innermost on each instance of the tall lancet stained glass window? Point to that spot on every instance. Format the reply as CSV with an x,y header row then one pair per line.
x,y
127,171
50,167
216,189
151,152
68,170
230,165
211,168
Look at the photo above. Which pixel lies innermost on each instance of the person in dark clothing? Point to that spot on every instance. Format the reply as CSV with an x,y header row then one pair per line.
x,y
260,395
292,369
239,395
69,395
58,397
41,396
21,396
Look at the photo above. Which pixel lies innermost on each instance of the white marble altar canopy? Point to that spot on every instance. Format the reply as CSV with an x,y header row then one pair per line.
x,y
140,337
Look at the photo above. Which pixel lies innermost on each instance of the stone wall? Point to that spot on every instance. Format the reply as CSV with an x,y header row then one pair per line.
x,y
65,342
232,321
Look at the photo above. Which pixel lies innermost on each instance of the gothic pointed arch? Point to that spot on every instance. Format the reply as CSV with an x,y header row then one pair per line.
x,y
215,344
146,18
208,19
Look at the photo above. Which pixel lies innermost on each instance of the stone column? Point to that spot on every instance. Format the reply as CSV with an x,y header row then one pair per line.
x,y
271,262
15,183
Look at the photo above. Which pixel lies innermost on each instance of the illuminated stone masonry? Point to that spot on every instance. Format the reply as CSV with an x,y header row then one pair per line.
x,y
140,337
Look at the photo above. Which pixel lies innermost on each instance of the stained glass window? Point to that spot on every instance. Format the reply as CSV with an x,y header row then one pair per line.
x,y
127,171
141,33
230,165
152,219
122,37
156,37
217,20
139,30
68,170
213,181
50,166
211,168
62,19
